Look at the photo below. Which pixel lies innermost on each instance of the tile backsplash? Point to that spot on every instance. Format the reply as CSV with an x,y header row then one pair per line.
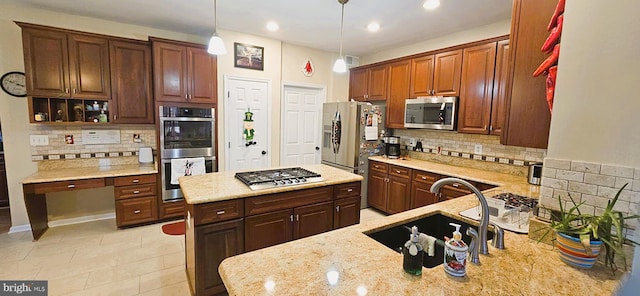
x,y
463,145
59,148
593,184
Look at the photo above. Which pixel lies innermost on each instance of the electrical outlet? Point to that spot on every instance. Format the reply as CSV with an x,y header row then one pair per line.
x,y
39,140
477,149
412,141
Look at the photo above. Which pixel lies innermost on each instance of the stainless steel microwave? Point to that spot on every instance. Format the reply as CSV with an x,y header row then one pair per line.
x,y
431,112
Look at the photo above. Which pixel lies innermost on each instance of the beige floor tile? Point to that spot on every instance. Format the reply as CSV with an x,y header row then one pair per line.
x,y
177,289
53,261
17,251
15,271
174,259
66,285
122,272
129,286
370,214
162,278
161,248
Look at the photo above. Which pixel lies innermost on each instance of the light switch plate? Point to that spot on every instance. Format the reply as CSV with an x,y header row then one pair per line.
x,y
477,149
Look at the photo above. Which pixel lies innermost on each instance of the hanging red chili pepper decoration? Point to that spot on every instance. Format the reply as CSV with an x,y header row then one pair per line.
x,y
554,18
551,85
554,36
550,61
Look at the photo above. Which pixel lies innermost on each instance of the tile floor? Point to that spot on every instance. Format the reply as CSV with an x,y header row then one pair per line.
x,y
96,259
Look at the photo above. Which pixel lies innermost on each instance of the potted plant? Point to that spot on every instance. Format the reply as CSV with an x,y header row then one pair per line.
x,y
580,236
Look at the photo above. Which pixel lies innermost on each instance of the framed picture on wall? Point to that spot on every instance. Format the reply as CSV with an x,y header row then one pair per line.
x,y
248,56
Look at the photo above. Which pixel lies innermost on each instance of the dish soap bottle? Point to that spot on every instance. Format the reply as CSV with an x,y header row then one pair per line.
x,y
412,252
455,254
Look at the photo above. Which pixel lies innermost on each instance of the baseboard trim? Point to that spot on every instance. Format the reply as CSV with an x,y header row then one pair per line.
x,y
20,228
82,219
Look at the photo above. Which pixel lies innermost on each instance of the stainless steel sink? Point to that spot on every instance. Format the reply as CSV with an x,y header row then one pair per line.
x,y
436,225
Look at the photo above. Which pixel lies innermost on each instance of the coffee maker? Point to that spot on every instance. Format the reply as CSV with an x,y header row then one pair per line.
x,y
392,147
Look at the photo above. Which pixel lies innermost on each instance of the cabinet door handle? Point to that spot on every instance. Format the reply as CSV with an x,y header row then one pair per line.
x,y
338,209
424,178
71,186
456,185
491,128
136,212
66,90
115,117
220,212
350,190
135,181
291,217
297,217
75,91
375,166
136,191
398,172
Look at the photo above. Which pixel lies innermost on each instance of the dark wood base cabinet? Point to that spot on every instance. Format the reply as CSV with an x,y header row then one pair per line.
x,y
217,230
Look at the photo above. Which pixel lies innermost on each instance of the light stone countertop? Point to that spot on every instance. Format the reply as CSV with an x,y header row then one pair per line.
x,y
90,172
221,186
367,267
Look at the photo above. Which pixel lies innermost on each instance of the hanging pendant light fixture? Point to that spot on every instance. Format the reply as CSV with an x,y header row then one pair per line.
x,y
340,66
216,45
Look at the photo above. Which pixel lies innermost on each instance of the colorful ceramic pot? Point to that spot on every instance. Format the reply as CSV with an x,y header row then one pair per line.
x,y
574,253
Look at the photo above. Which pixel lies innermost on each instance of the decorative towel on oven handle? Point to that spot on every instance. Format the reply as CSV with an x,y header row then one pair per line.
x,y
181,167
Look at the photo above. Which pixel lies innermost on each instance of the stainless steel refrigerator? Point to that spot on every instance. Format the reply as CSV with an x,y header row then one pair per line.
x,y
351,132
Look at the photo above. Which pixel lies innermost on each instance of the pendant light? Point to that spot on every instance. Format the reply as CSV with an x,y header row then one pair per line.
x,y
340,66
216,45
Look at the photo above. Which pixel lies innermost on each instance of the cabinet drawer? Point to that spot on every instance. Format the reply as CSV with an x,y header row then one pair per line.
x,y
287,200
171,209
379,166
218,211
399,171
426,177
136,210
454,190
68,185
135,191
346,190
133,180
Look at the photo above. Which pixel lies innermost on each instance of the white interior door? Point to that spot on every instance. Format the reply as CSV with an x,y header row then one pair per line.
x,y
242,95
301,125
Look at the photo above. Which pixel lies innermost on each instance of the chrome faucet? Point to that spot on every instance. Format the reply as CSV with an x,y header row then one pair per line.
x,y
483,248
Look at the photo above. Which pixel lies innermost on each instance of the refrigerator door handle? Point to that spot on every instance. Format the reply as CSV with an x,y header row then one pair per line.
x,y
336,131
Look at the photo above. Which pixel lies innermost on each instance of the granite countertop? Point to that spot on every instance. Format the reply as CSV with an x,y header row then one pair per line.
x,y
66,174
367,267
221,186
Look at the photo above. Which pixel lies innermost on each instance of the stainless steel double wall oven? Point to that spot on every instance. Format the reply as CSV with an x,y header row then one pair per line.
x,y
185,133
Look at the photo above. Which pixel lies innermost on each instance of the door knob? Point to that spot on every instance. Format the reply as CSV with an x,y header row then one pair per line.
x,y
317,148
264,152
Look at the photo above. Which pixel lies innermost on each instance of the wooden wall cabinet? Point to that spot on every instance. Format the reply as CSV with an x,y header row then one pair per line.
x,y
389,187
476,89
183,73
369,83
131,91
527,117
446,73
61,64
421,76
398,91
499,88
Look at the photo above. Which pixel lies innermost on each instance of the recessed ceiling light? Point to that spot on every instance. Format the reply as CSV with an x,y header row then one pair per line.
x,y
431,4
373,27
272,26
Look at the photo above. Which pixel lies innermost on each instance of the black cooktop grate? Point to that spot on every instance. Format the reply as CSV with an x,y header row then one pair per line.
x,y
269,176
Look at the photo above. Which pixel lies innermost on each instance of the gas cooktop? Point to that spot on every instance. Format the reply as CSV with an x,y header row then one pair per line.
x,y
277,178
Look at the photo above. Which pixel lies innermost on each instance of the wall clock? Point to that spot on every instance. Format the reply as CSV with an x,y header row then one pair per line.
x,y
14,83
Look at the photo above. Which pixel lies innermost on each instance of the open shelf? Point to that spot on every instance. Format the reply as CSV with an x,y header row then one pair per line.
x,y
56,110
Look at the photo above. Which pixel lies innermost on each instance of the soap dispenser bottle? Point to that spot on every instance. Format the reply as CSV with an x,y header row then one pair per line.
x,y
455,254
413,252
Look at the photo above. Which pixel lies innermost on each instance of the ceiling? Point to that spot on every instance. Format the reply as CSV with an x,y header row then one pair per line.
x,y
312,23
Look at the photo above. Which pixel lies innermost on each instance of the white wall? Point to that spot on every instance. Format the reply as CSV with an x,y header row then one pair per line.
x,y
278,58
484,32
596,111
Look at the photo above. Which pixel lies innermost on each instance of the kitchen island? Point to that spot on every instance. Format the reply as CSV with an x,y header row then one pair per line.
x,y
224,217
366,267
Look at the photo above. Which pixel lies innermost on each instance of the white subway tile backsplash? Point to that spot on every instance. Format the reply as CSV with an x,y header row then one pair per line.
x,y
583,188
622,181
587,167
557,164
546,192
601,180
636,174
555,183
569,175
618,171
607,192
548,172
